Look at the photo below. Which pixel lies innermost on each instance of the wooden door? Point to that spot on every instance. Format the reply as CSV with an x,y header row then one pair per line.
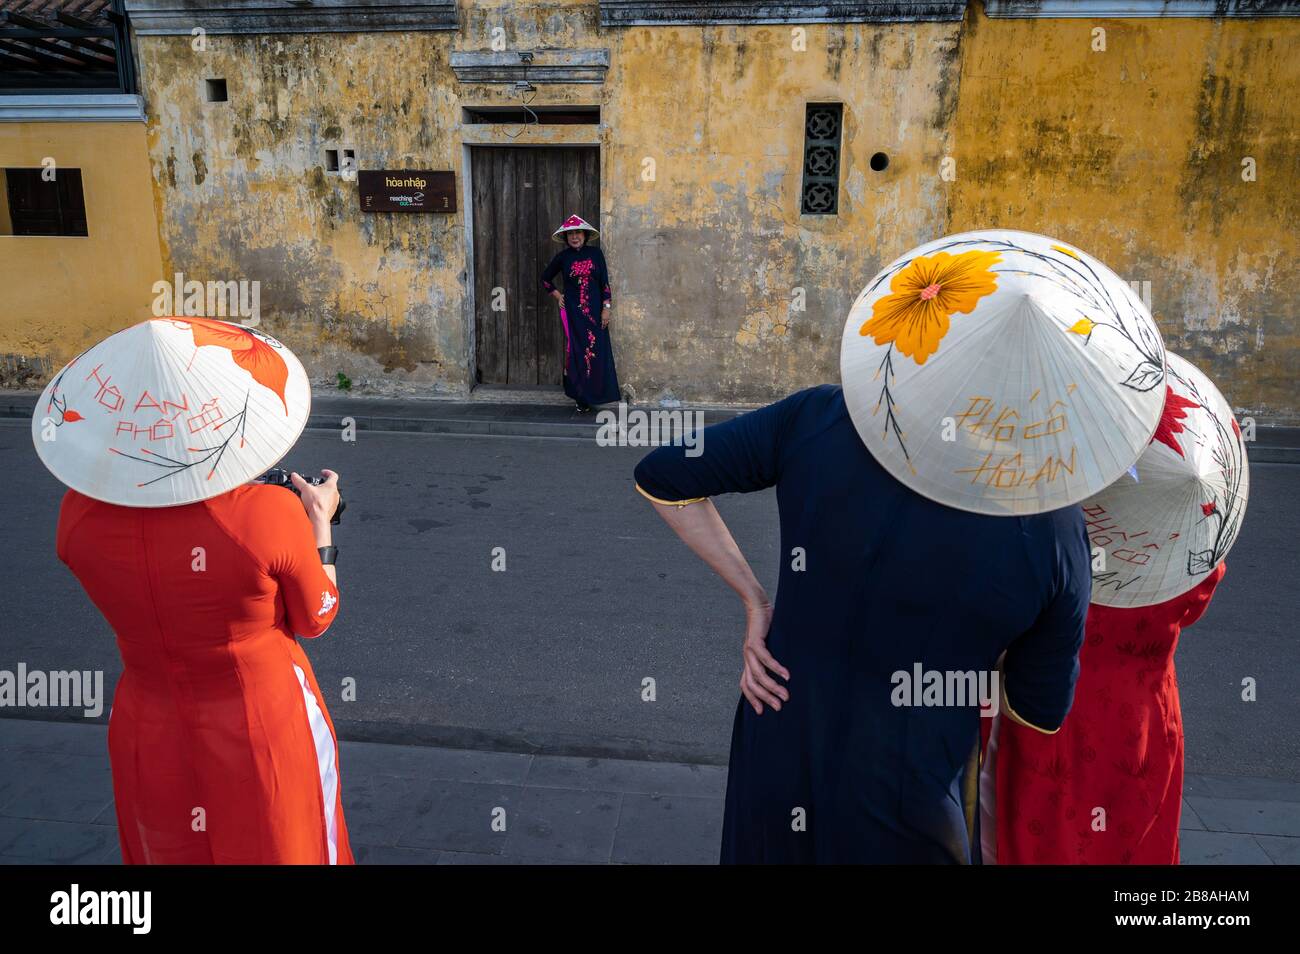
x,y
521,195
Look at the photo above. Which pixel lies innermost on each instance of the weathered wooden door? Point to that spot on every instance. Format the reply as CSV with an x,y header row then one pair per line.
x,y
521,195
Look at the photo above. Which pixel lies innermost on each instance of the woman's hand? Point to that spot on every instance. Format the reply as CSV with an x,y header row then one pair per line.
x,y
756,683
604,316
701,528
319,500
558,296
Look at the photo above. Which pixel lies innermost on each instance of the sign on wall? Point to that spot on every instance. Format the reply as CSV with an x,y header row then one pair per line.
x,y
406,190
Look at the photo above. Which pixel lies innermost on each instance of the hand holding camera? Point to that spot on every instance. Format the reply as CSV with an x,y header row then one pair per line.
x,y
320,495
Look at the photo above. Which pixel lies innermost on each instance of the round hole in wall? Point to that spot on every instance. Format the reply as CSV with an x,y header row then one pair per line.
x,y
879,162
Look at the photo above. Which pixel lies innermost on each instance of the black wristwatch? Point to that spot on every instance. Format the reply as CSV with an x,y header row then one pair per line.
x,y
328,555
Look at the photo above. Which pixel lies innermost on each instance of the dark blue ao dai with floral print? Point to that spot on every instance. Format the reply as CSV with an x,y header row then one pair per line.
x,y
589,373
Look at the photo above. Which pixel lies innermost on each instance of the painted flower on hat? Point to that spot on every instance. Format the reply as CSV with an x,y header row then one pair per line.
x,y
1171,420
924,294
251,352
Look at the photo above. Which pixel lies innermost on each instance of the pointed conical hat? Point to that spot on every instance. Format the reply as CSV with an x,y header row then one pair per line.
x,y
171,411
1002,372
1166,524
575,223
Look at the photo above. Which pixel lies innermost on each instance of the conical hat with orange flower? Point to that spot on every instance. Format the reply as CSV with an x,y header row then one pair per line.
x,y
171,411
1002,372
1166,524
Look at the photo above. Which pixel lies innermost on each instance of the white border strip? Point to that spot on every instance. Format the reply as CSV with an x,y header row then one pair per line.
x,y
329,776
74,108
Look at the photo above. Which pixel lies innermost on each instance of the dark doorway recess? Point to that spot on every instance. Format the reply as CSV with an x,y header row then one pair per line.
x,y
520,195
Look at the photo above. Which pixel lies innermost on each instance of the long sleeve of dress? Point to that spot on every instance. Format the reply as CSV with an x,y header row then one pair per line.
x,y
275,529
736,456
311,599
605,293
1042,665
551,270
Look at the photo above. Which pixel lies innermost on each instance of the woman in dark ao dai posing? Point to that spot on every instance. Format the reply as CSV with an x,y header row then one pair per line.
x,y
589,373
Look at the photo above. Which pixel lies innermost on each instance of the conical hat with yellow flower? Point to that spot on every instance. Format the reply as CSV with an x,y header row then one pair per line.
x,y
1002,372
171,411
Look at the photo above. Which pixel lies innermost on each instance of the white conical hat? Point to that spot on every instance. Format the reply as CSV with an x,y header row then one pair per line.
x,y
171,411
1166,524
575,223
1002,372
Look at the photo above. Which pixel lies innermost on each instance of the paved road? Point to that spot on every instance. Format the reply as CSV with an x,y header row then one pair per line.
x,y
550,655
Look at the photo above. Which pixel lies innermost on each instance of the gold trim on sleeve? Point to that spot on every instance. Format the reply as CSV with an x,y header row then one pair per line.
x,y
667,503
1016,717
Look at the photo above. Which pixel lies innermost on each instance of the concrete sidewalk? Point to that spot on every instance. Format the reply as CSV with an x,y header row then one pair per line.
x,y
540,414
404,804
422,805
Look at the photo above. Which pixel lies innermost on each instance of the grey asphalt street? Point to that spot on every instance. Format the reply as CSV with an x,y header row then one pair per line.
x,y
549,657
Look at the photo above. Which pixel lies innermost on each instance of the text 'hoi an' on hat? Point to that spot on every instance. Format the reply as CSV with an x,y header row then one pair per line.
x,y
171,411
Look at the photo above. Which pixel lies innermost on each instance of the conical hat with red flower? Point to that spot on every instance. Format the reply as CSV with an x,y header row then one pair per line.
x,y
171,411
575,223
1165,525
1002,372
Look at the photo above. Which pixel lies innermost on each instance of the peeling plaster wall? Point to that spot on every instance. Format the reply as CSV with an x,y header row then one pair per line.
x,y
1133,154
243,194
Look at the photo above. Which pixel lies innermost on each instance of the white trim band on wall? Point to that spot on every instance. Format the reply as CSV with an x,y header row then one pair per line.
x,y
72,108
181,17
546,66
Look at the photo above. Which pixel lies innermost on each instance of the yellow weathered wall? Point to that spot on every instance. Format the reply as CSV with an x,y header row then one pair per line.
x,y
705,259
710,255
245,197
1135,154
59,294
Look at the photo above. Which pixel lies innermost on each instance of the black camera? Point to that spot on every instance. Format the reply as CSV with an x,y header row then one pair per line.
x,y
280,478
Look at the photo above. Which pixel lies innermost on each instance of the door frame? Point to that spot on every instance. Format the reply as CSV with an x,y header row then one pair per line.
x,y
550,137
